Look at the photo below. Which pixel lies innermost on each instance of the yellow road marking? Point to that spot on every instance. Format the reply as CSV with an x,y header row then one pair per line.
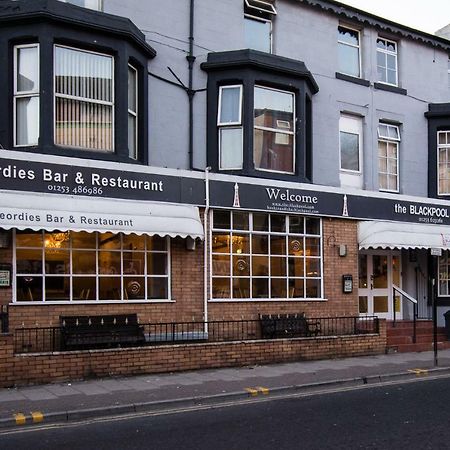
x,y
37,416
263,390
252,392
418,371
20,419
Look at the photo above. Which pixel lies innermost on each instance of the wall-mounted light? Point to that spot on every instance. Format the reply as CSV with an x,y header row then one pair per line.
x,y
190,243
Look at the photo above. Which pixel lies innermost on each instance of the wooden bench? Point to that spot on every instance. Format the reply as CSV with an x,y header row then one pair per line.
x,y
288,326
83,332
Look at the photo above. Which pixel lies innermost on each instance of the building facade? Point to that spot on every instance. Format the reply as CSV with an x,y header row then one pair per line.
x,y
256,157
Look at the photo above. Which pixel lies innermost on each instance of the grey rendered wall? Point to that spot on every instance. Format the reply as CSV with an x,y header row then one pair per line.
x,y
302,33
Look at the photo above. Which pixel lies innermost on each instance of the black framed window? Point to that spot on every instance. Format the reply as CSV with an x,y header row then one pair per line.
x,y
259,115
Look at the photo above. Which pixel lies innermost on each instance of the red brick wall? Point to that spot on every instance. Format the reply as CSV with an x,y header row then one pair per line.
x,y
24,369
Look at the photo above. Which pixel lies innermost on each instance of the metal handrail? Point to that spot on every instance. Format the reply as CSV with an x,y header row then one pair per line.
x,y
412,300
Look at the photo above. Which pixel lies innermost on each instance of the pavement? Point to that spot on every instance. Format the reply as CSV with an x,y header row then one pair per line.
x,y
79,400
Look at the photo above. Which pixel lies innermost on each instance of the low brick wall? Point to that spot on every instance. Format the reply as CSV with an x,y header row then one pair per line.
x,y
22,369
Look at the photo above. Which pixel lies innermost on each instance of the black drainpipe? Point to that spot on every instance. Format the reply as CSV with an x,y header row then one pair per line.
x,y
190,92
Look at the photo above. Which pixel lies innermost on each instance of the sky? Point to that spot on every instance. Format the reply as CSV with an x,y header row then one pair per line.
x,y
424,15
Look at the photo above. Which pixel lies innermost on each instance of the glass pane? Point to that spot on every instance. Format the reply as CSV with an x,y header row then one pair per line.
x,y
380,304
296,288
296,224
29,289
277,223
278,288
84,288
157,288
240,243
221,243
349,151
392,76
348,36
241,288
295,246
109,288
230,144
109,262
132,89
83,124
241,266
383,181
348,58
398,304
221,219
312,226
277,245
230,105
134,263
257,35
109,241
362,270
260,266
391,46
240,221
155,243
260,288
57,288
156,263
313,288
221,265
313,267
83,240
28,239
382,165
363,305
442,138
382,149
270,155
132,137
29,261
312,246
261,222
380,271
221,288
381,44
27,121
57,261
396,270
278,267
275,104
133,242
27,69
134,288
57,240
392,182
260,244
296,267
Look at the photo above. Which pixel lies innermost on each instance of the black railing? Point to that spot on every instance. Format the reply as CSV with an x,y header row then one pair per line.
x,y
27,340
4,319
408,297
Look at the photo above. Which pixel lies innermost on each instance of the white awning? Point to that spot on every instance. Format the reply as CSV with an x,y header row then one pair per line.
x,y
377,234
24,210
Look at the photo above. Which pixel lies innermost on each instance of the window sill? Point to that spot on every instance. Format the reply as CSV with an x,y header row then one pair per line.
x,y
87,302
351,79
389,88
268,300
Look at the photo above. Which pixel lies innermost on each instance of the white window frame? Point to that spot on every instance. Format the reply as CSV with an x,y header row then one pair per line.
x,y
261,19
351,125
445,147
353,46
250,232
387,52
123,276
230,125
277,131
390,139
261,6
25,94
84,99
134,114
99,3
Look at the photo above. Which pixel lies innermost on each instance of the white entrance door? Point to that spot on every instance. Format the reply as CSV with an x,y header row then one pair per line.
x,y
378,271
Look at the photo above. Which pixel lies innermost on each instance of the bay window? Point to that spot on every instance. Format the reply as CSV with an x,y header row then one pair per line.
x,y
26,95
83,267
259,256
132,113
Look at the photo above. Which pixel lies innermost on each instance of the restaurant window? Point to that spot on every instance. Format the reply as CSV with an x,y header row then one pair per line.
x,y
387,61
258,256
26,95
443,162
88,267
349,58
388,157
84,99
444,275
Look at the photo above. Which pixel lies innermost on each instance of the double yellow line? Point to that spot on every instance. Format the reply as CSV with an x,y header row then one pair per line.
x,y
35,417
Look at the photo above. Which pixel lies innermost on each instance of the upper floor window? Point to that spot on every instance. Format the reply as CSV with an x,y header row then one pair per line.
x,y
91,4
26,95
84,99
349,58
258,16
229,122
350,144
274,119
387,61
388,157
443,149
